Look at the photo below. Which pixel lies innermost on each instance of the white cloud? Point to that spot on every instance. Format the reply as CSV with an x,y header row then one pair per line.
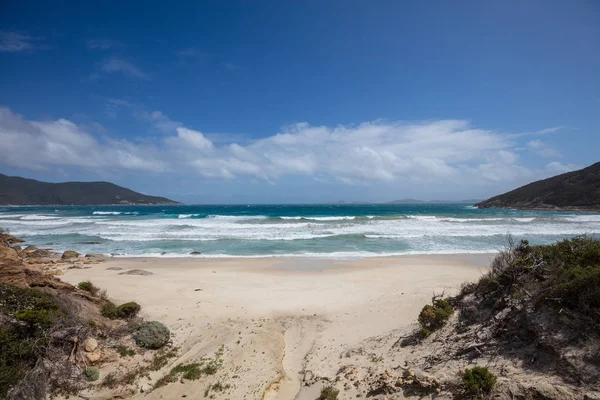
x,y
431,152
543,149
13,42
43,144
556,167
194,139
157,119
113,65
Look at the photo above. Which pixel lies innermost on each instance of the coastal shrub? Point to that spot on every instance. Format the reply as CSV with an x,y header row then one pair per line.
x,y
109,310
125,351
128,310
329,393
478,381
124,311
188,371
92,373
424,333
35,318
88,287
20,348
434,316
16,298
18,355
151,335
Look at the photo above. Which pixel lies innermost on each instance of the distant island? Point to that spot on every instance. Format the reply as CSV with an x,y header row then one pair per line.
x,y
26,192
573,191
415,201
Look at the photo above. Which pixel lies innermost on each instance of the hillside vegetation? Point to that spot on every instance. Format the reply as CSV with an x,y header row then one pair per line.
x,y
577,190
21,191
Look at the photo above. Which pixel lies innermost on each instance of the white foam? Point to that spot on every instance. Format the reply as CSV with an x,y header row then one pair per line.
x,y
106,213
182,216
333,255
36,217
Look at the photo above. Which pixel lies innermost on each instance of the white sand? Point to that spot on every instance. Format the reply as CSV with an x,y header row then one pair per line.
x,y
288,314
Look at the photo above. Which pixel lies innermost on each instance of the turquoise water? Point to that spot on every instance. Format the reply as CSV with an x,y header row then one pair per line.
x,y
343,231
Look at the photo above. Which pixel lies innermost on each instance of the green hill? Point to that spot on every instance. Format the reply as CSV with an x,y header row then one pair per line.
x,y
20,191
573,191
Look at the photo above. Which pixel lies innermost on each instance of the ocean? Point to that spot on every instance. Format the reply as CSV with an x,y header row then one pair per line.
x,y
328,230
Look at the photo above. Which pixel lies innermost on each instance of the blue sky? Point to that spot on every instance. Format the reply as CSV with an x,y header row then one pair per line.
x,y
271,101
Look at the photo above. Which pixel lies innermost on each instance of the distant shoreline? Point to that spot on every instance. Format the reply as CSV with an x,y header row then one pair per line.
x,y
93,205
549,208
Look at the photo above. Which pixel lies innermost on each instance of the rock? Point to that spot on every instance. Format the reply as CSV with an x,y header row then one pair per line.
x,y
144,388
17,248
11,269
40,253
114,268
136,272
8,254
30,248
96,256
90,345
195,253
70,254
12,274
94,356
591,396
9,239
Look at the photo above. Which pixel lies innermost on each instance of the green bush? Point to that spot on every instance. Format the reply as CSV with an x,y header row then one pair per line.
x,y
109,310
86,285
18,355
125,351
92,373
329,393
124,311
128,310
478,381
36,318
435,316
424,333
189,371
21,348
151,335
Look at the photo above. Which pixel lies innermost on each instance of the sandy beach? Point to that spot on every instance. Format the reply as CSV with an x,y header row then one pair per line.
x,y
277,318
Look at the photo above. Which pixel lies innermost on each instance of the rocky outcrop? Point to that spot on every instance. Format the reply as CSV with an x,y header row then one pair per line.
x,y
69,254
11,269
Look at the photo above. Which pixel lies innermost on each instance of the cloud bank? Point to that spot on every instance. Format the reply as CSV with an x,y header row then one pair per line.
x,y
379,151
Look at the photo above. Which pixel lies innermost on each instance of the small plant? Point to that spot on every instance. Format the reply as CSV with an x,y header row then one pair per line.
x,y
128,310
109,310
329,393
424,333
219,387
92,373
92,324
87,286
151,335
189,371
435,316
125,351
478,381
124,311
